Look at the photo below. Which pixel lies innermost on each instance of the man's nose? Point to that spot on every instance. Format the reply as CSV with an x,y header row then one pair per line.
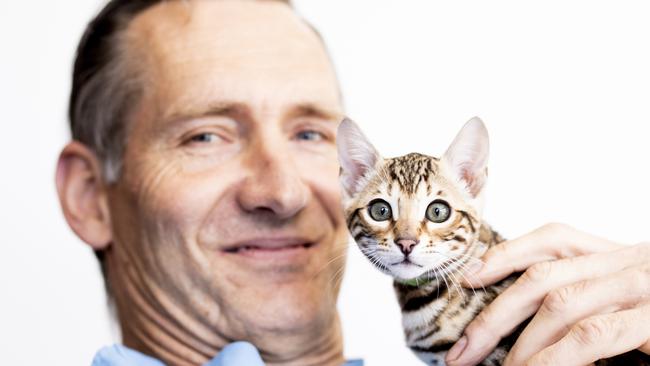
x,y
406,245
273,184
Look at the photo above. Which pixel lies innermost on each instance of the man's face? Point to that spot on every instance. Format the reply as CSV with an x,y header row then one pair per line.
x,y
228,211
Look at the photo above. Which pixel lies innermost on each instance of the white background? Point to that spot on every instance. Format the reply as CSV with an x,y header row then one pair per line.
x,y
564,87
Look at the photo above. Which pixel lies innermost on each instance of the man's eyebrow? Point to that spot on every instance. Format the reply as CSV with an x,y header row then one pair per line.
x,y
241,110
313,110
214,109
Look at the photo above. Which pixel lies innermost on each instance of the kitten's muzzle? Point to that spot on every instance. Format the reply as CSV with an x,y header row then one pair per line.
x,y
406,245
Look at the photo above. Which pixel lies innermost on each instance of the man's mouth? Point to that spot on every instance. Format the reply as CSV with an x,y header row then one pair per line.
x,y
272,249
248,248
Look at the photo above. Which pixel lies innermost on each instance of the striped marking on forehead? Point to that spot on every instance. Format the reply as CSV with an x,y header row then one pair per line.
x,y
410,170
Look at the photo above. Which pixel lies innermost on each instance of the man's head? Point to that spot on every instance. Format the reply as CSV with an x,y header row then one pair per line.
x,y
219,214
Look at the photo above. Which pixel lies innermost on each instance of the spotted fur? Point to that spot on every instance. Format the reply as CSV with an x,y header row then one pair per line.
x,y
435,308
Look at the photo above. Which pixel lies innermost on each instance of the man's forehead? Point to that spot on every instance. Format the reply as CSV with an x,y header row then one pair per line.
x,y
199,52
218,20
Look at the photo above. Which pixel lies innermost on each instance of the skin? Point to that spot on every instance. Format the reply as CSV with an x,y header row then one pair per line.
x,y
589,299
230,171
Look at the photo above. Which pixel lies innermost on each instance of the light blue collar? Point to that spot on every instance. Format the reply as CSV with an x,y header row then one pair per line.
x,y
353,363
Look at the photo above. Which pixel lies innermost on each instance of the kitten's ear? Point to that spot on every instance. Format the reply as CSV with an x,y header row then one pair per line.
x,y
357,156
468,155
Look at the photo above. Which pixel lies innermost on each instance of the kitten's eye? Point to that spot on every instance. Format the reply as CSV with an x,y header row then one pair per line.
x,y
438,211
380,210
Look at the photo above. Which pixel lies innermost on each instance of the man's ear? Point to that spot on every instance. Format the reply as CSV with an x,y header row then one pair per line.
x,y
357,156
468,155
83,196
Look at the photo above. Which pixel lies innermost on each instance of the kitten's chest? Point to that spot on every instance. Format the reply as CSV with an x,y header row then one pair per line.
x,y
434,317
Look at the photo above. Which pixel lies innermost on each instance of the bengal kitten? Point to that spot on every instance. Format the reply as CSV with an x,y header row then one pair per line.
x,y
418,219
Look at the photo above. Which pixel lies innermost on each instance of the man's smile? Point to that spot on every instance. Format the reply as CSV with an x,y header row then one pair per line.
x,y
273,249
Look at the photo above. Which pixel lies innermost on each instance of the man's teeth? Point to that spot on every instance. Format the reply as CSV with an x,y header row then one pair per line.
x,y
252,247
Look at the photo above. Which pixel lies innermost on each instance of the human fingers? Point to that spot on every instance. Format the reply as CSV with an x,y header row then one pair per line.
x,y
549,242
598,337
566,306
523,298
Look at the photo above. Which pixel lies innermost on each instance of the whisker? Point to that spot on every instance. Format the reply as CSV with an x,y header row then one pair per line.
x,y
463,266
460,272
451,279
331,261
444,278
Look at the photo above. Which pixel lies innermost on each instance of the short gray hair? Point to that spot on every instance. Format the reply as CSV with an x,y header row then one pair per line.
x,y
104,87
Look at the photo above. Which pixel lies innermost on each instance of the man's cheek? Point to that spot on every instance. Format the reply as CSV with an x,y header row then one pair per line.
x,y
185,199
322,177
189,219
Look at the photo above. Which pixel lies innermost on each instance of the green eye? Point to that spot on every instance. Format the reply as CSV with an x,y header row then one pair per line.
x,y
380,210
438,211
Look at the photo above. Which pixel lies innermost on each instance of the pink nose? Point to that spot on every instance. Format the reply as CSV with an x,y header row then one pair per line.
x,y
406,245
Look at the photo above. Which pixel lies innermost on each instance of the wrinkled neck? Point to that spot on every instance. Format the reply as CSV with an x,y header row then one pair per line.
x,y
152,322
317,348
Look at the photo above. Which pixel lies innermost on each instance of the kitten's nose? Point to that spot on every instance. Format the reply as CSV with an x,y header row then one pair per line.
x,y
406,245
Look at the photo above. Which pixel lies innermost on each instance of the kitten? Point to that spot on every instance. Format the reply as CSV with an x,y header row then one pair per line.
x,y
418,219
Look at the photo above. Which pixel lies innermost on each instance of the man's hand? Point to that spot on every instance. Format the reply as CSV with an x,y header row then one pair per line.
x,y
234,354
590,299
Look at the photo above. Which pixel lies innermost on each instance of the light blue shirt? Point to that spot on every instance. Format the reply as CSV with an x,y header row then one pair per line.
x,y
234,354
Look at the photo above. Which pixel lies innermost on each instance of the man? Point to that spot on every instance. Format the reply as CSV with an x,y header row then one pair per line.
x,y
223,222
203,172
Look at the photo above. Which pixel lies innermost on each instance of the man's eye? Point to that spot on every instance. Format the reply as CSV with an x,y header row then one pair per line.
x,y
204,138
309,135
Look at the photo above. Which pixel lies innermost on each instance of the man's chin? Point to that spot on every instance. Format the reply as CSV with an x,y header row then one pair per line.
x,y
289,306
282,289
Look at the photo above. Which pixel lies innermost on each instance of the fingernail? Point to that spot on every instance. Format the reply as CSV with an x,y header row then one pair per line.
x,y
457,349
